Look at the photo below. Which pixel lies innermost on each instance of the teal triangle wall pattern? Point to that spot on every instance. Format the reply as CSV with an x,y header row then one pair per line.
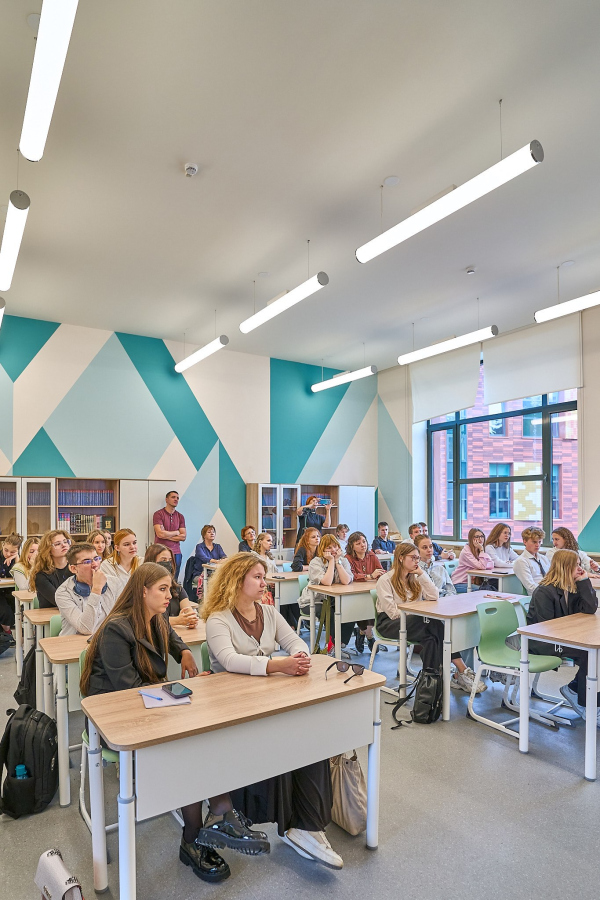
x,y
298,417
589,536
173,395
42,458
21,340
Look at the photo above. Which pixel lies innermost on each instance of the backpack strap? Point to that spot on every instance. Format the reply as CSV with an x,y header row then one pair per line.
x,y
398,704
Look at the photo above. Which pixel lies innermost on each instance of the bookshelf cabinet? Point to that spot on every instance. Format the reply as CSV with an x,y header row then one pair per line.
x,y
85,504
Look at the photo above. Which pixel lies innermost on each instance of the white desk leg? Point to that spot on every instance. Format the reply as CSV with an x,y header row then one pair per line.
x,y
48,677
524,697
312,621
446,666
126,802
97,811
337,630
62,724
402,673
591,692
29,636
39,668
19,636
373,776
469,584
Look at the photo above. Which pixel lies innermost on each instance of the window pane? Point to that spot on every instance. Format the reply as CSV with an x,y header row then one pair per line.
x,y
564,470
450,417
522,500
479,449
563,396
443,486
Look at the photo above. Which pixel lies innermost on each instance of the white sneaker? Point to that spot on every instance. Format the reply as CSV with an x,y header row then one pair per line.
x,y
464,682
316,845
287,841
481,686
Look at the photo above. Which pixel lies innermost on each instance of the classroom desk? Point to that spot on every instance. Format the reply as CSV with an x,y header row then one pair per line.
x,y
458,612
22,598
582,632
255,727
507,581
6,582
44,695
353,603
64,651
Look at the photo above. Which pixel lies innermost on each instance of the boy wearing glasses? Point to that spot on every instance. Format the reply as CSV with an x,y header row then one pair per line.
x,y
86,598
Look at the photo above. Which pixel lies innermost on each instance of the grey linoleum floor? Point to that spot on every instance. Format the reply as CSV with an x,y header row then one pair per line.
x,y
463,814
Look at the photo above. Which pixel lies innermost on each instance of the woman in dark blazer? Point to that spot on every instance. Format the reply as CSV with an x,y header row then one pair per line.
x,y
564,591
130,649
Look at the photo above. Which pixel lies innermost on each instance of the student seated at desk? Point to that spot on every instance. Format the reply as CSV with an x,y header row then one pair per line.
x,y
131,649
85,599
563,591
262,546
341,533
382,544
8,557
21,571
498,546
98,539
242,634
564,539
413,530
438,550
531,566
328,566
50,567
464,676
306,549
206,551
124,559
246,545
472,556
181,611
365,567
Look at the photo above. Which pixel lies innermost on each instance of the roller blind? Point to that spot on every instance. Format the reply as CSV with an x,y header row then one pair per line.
x,y
537,360
445,383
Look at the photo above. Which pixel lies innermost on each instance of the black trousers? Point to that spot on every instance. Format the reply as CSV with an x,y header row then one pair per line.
x,y
7,607
428,633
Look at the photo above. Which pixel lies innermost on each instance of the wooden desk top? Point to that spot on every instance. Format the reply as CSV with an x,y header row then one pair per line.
x,y
191,636
41,616
456,605
341,590
579,630
506,570
283,576
218,701
24,596
66,648
6,582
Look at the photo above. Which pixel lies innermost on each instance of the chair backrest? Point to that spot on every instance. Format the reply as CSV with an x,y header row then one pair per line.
x,y
286,567
205,657
450,565
497,619
81,662
55,626
302,581
36,602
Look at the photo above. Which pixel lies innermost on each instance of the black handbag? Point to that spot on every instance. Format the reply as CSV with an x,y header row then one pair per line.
x,y
428,690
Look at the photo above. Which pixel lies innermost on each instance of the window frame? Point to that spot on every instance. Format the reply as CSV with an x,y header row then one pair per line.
x,y
545,410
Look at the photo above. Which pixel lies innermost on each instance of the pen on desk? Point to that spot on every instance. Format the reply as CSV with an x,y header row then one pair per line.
x,y
152,696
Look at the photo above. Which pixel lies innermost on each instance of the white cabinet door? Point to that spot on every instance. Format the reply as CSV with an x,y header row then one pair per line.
x,y
133,511
11,519
365,504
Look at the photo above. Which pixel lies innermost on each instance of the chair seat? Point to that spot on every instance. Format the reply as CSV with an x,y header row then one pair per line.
x,y
511,659
110,756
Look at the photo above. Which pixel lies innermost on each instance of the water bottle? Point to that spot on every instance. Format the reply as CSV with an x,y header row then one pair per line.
x,y
21,772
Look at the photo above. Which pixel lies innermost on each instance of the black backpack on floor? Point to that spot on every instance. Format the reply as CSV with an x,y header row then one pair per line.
x,y
25,692
30,739
428,688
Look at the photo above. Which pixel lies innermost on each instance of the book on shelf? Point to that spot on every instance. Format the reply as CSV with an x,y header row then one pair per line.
x,y
78,523
8,497
38,496
86,498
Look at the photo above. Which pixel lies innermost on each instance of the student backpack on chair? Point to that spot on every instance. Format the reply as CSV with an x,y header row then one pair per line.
x,y
29,741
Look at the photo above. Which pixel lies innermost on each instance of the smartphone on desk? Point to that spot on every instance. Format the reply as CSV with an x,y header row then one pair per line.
x,y
177,690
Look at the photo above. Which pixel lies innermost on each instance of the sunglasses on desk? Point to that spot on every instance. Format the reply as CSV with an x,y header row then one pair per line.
x,y
342,666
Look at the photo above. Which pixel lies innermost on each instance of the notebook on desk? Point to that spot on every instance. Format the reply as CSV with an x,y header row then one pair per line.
x,y
156,697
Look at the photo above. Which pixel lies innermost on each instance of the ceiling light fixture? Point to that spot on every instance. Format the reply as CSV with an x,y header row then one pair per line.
x,y
343,378
284,302
463,340
56,25
16,216
505,170
202,353
567,308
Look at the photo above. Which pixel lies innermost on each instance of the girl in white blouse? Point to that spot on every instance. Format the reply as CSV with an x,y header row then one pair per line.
x,y
564,539
124,559
21,571
498,546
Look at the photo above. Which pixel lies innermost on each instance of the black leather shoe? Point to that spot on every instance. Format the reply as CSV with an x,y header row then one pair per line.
x,y
206,864
359,642
232,831
371,641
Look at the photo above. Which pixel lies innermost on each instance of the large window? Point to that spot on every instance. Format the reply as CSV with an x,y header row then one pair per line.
x,y
514,462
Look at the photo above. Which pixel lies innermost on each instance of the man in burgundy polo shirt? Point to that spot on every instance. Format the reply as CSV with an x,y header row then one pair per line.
x,y
169,528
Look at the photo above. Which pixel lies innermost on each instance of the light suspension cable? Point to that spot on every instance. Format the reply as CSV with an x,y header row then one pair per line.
x,y
16,216
344,378
463,340
280,304
54,34
505,170
202,353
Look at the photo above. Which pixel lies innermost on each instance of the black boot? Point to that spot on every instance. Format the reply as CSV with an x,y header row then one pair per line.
x,y
232,830
359,641
206,864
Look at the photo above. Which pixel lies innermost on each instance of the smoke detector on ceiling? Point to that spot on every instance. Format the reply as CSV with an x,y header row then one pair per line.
x,y
471,270
190,170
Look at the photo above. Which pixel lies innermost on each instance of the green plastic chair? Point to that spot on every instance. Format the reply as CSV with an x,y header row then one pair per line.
x,y
392,642
36,602
55,626
497,620
205,657
303,617
108,756
286,567
450,565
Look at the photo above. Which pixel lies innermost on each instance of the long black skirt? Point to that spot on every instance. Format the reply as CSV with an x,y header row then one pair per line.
x,y
299,799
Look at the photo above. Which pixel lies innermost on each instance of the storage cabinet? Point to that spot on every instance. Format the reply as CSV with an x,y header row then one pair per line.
x,y
38,505
10,505
85,504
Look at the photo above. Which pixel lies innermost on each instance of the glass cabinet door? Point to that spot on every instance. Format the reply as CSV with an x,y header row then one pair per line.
x,y
38,505
290,503
10,505
269,510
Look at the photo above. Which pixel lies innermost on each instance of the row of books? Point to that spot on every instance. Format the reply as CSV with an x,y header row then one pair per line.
x,y
38,497
86,498
77,523
8,497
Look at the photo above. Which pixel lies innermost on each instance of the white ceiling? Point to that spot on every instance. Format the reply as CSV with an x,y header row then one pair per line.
x,y
295,111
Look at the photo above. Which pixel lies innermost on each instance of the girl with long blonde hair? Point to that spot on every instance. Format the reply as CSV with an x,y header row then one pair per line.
x,y
328,566
22,568
472,556
98,539
50,567
124,560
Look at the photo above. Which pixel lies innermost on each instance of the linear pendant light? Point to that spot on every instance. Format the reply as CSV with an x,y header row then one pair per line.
x,y
463,340
282,303
566,308
202,353
54,34
344,378
515,164
16,216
